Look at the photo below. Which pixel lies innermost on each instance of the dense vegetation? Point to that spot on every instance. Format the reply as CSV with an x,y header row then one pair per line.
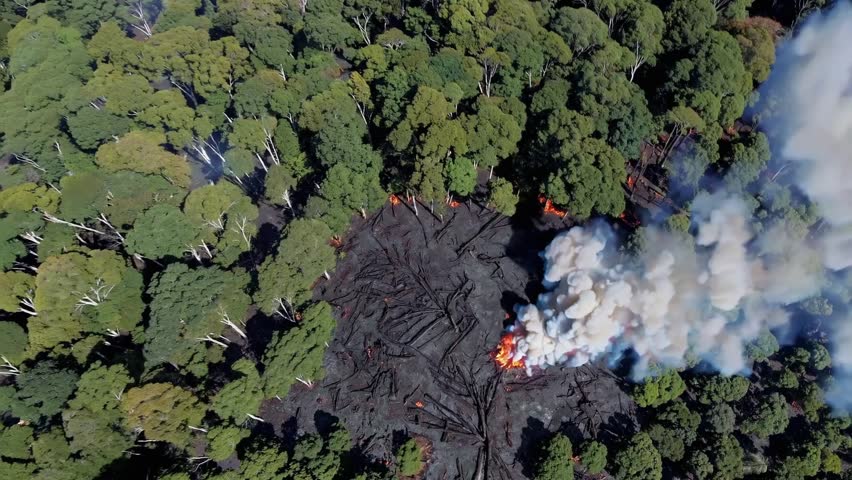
x,y
145,143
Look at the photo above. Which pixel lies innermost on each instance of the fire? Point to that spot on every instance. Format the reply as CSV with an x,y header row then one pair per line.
x,y
549,208
419,404
335,242
505,352
631,181
394,200
454,204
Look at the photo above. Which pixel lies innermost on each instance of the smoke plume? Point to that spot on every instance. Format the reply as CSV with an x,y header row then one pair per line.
x,y
710,294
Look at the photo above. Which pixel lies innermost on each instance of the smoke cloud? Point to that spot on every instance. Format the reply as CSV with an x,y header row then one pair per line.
x,y
711,294
708,298
814,79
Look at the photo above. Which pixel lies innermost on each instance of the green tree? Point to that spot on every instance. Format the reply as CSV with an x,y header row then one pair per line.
x,y
768,417
303,255
240,397
222,441
700,464
586,172
409,458
659,389
713,389
763,347
756,37
263,462
187,311
750,157
492,134
13,342
90,291
90,128
726,454
13,287
501,194
142,152
163,412
721,419
639,460
688,23
42,391
556,459
227,219
15,442
297,355
162,231
670,446
593,456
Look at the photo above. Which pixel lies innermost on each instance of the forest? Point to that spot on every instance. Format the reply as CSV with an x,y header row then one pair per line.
x,y
182,184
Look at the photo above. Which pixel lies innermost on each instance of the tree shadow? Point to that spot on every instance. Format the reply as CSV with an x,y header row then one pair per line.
x,y
532,437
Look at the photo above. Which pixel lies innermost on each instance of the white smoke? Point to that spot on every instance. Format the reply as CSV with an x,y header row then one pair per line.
x,y
665,305
813,80
713,297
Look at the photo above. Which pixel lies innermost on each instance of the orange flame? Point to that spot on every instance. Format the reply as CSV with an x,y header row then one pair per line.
x,y
419,404
631,181
335,242
549,208
454,204
505,352
394,200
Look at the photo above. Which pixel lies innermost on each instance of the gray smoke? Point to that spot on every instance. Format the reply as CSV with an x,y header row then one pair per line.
x,y
713,294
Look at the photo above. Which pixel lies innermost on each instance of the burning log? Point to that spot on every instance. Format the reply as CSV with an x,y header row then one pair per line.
x,y
505,353
549,208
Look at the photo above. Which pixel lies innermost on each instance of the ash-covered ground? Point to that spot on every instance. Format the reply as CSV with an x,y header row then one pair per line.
x,y
421,305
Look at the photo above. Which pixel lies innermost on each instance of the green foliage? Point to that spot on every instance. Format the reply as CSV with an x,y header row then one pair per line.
x,y
700,465
42,390
556,459
409,458
764,346
226,217
669,445
90,128
240,397
593,456
297,354
263,462
222,441
142,152
13,342
768,417
84,292
15,442
721,419
711,390
659,389
163,230
303,255
638,460
186,306
163,412
726,454
501,194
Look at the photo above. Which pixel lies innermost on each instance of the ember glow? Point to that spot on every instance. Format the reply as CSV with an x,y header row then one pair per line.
x,y
504,356
549,208
419,404
454,204
631,181
394,200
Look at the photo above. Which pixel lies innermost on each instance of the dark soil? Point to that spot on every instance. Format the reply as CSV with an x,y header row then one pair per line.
x,y
421,304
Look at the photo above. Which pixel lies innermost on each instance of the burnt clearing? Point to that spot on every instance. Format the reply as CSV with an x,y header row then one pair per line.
x,y
421,305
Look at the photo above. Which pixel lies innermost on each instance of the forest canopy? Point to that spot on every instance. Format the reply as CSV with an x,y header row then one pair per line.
x,y
175,174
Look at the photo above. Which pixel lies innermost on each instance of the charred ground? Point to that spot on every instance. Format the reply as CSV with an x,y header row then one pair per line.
x,y
421,303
